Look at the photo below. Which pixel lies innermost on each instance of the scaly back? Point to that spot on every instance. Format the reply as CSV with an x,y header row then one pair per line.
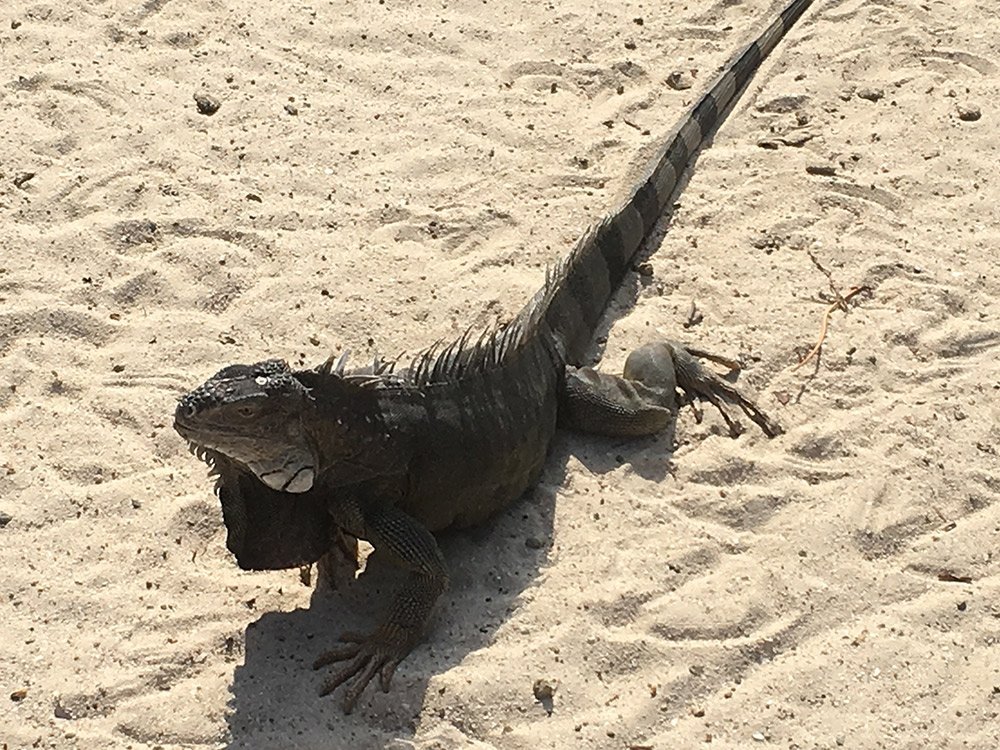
x,y
565,312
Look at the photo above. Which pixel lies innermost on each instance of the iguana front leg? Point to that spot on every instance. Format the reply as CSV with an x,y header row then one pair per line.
x,y
413,547
642,400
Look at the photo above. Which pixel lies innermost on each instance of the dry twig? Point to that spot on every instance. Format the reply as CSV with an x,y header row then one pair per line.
x,y
840,304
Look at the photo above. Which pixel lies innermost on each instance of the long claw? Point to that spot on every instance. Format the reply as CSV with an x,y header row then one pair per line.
x,y
344,675
352,637
697,382
733,396
380,652
769,428
728,362
698,413
354,691
342,653
385,676
366,656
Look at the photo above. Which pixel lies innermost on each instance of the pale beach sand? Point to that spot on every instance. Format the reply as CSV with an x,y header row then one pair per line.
x,y
382,175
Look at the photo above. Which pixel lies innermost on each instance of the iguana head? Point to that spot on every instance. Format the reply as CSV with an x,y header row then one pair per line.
x,y
254,415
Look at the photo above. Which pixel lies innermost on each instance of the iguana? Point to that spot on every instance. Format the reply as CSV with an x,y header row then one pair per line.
x,y
391,454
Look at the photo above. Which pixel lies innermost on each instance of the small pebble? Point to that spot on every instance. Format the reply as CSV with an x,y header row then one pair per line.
x,y
61,712
872,95
22,179
207,104
544,689
5,518
968,112
19,695
758,736
680,80
291,109
825,170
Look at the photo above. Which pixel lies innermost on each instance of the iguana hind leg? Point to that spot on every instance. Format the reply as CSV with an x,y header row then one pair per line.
x,y
605,404
642,401
413,547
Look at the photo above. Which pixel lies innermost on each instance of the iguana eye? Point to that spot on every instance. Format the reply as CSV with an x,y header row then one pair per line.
x,y
247,410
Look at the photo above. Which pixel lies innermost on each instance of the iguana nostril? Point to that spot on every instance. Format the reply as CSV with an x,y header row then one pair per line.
x,y
185,410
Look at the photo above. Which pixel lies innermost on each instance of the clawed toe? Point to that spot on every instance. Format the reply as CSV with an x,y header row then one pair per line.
x,y
366,656
385,676
697,382
353,637
341,653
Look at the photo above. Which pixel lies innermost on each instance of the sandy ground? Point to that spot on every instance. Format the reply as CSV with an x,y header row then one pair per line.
x,y
382,174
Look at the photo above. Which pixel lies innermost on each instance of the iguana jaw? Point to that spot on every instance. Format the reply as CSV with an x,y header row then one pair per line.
x,y
284,467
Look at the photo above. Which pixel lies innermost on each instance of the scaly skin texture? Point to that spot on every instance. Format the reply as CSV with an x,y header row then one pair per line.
x,y
390,455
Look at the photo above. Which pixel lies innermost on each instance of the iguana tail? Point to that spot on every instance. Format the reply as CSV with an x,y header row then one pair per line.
x,y
578,289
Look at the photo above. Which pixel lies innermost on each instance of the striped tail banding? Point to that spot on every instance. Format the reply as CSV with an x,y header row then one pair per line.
x,y
578,290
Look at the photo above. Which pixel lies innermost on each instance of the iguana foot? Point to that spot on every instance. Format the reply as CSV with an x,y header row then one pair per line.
x,y
399,537
367,655
695,381
642,400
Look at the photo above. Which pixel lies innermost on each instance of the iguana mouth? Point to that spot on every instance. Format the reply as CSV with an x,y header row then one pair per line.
x,y
184,425
194,437
293,472
185,432
187,425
